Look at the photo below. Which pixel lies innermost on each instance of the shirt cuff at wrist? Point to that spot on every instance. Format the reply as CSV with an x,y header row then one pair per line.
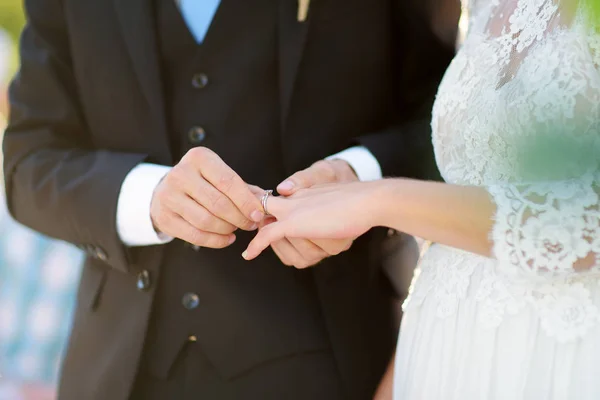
x,y
362,161
134,224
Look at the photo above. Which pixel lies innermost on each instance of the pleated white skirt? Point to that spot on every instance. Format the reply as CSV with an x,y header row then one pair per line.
x,y
465,337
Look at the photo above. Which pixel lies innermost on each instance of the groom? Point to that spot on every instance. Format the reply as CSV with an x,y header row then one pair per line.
x,y
135,127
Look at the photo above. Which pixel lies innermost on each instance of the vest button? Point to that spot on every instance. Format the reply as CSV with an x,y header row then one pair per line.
x,y
143,281
199,81
196,135
191,301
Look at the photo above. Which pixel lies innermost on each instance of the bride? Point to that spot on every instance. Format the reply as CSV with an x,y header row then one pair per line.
x,y
506,303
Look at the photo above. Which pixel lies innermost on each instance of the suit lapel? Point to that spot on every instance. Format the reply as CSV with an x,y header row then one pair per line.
x,y
292,38
139,33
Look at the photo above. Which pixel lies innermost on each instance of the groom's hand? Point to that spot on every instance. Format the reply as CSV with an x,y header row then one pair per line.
x,y
304,253
203,201
320,173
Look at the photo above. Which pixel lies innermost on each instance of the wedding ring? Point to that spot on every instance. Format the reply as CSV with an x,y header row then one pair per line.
x,y
264,200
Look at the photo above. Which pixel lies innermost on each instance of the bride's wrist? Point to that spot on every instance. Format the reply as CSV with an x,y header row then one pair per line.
x,y
379,201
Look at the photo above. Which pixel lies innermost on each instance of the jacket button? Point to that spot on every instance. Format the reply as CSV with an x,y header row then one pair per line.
x,y
199,81
191,301
143,281
196,135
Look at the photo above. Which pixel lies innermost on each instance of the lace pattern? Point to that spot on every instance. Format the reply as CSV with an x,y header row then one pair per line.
x,y
548,228
525,76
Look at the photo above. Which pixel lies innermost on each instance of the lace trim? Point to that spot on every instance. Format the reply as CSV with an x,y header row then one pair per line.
x,y
564,307
447,284
546,229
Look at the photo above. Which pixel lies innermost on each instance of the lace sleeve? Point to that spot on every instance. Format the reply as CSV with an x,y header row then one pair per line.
x,y
549,228
520,106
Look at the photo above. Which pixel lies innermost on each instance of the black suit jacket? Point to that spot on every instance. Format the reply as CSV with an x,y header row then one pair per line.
x,y
87,106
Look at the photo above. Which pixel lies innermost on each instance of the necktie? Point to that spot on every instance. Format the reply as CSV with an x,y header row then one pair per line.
x,y
198,15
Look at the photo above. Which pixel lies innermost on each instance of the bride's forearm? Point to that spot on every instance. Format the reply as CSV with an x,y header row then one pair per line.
x,y
457,216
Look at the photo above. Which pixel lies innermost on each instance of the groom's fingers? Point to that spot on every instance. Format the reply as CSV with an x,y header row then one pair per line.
x,y
217,203
263,239
321,172
200,218
219,200
179,227
311,253
288,254
226,180
298,253
333,247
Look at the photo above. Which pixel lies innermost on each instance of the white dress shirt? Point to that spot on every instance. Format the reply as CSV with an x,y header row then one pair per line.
x,y
134,225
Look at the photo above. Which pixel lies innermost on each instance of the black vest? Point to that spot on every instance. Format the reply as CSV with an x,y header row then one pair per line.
x,y
223,95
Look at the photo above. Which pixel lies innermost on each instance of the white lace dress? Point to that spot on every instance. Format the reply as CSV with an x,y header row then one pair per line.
x,y
518,112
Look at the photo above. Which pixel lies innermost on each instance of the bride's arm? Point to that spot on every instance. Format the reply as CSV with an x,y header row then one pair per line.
x,y
457,216
542,227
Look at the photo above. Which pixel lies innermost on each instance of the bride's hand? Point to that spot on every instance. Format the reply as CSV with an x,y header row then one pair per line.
x,y
338,211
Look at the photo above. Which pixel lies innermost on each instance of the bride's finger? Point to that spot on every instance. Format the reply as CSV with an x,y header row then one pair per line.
x,y
263,239
274,204
256,191
278,206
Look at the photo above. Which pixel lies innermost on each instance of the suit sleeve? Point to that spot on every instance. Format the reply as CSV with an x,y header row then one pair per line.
x,y
425,33
57,182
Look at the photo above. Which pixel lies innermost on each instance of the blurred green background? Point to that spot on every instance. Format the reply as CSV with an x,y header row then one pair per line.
x,y
11,21
11,16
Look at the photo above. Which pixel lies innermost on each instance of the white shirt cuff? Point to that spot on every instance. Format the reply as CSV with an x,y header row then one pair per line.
x,y
362,161
134,225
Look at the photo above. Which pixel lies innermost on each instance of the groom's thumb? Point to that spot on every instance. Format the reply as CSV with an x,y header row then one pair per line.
x,y
300,180
287,187
319,173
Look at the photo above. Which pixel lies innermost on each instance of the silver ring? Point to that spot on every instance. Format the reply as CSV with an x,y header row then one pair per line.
x,y
264,200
